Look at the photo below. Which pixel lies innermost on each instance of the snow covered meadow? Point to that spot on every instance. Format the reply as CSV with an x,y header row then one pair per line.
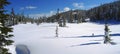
x,y
83,38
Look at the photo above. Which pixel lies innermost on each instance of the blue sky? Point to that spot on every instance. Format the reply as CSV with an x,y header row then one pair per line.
x,y
36,8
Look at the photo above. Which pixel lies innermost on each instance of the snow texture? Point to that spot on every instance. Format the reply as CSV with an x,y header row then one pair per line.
x,y
83,38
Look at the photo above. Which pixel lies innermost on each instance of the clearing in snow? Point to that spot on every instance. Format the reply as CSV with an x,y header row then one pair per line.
x,y
84,38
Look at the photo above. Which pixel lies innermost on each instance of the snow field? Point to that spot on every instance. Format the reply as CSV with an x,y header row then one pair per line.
x,y
73,39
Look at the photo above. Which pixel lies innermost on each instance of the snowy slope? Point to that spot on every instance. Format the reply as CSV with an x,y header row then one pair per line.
x,y
73,39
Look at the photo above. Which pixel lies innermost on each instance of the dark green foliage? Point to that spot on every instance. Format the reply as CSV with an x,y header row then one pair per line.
x,y
5,51
4,29
109,11
3,3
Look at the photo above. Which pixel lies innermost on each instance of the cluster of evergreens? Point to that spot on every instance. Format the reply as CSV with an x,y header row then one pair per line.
x,y
4,29
109,11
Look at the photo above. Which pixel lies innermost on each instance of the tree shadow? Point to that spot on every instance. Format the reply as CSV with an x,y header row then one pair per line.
x,y
93,43
91,36
113,43
113,35
116,34
85,36
97,40
85,44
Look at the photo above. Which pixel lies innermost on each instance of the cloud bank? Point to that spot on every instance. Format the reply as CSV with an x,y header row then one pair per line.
x,y
28,7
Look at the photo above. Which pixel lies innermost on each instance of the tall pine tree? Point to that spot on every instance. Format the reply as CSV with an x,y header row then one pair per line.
x,y
4,29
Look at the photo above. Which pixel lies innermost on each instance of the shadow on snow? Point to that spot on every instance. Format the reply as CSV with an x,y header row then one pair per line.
x,y
22,49
85,44
113,35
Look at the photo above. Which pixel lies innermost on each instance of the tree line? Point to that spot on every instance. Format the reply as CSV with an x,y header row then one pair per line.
x,y
110,11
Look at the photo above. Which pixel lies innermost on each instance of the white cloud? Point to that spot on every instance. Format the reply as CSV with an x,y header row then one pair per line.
x,y
66,9
79,5
28,7
51,12
31,7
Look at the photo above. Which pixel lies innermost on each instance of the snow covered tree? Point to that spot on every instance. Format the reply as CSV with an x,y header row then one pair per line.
x,y
71,17
56,31
64,22
60,21
58,17
4,29
107,35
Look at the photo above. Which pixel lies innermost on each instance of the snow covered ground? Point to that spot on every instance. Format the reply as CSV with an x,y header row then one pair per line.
x,y
73,39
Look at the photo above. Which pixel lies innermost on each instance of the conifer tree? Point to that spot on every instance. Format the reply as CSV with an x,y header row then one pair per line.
x,y
4,29
64,22
71,17
13,17
56,31
107,38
